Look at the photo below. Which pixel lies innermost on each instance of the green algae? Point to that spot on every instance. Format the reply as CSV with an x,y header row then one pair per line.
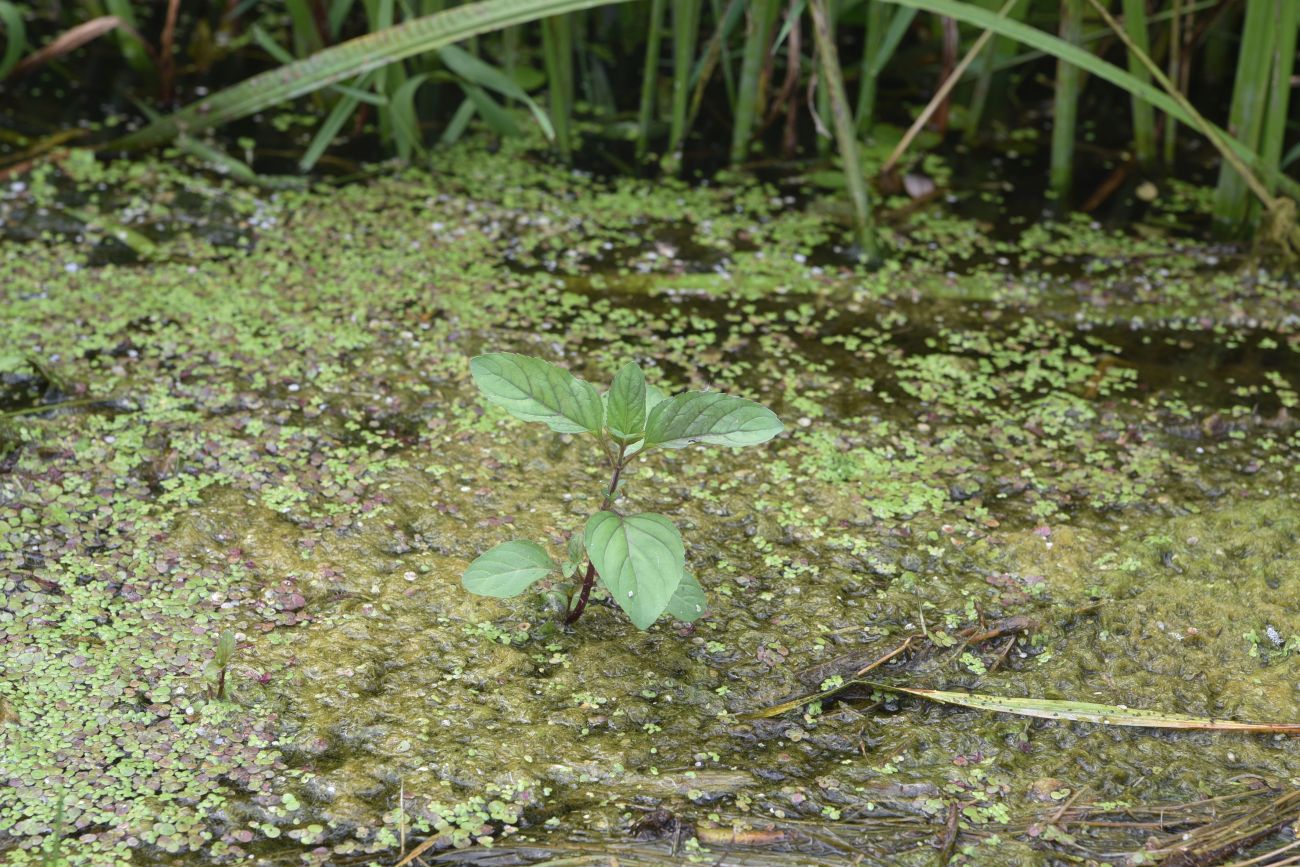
x,y
1095,434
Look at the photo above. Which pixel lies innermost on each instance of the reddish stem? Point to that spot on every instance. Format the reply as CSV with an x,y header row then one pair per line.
x,y
589,579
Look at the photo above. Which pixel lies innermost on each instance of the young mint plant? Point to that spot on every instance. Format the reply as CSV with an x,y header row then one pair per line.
x,y
638,559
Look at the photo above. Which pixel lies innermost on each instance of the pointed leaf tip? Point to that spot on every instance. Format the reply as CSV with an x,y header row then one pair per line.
x,y
710,417
640,560
535,390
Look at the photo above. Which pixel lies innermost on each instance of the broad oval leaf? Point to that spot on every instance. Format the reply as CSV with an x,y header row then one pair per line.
x,y
710,417
689,602
640,561
508,569
536,390
625,405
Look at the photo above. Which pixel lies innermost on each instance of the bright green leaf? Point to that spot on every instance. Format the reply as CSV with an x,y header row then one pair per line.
x,y
640,560
626,404
688,602
710,417
536,390
508,569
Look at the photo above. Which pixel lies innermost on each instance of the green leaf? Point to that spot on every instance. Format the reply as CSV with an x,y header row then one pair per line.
x,y
483,74
458,124
640,560
710,417
689,602
407,135
536,390
494,115
625,411
508,569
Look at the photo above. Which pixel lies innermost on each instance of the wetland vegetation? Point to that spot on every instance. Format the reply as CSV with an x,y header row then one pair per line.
x,y
1015,553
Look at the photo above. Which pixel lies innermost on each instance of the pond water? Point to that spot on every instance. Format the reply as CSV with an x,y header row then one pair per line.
x,y
1055,462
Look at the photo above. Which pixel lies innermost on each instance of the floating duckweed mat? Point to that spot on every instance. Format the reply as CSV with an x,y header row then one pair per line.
x,y
1061,453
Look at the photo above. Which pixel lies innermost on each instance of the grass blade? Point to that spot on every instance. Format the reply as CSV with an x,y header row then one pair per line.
x,y
686,23
649,77
1286,24
15,36
347,60
135,52
459,123
485,75
1046,708
1083,711
406,125
329,128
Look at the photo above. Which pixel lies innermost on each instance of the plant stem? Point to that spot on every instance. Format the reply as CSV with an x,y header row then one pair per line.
x,y
588,580
589,577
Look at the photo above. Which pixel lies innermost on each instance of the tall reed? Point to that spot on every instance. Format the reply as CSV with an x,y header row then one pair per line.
x,y
1144,114
1250,102
1065,108
845,133
649,78
760,20
557,55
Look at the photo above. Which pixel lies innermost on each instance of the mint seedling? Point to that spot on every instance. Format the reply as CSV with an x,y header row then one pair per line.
x,y
639,560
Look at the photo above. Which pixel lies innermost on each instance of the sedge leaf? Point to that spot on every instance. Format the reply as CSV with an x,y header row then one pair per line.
x,y
640,560
710,417
688,602
625,408
508,569
535,390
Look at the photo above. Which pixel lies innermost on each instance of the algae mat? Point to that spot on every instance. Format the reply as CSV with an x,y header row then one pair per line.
x,y
1062,455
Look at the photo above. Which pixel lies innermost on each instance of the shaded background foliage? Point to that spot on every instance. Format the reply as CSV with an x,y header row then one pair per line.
x,y
650,86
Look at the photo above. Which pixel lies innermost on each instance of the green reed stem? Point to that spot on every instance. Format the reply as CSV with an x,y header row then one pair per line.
x,y
760,21
686,23
1249,105
845,133
1144,113
1175,57
1286,15
1065,109
557,56
873,37
649,78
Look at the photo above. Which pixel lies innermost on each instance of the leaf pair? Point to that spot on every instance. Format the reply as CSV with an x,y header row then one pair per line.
x,y
640,560
633,411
